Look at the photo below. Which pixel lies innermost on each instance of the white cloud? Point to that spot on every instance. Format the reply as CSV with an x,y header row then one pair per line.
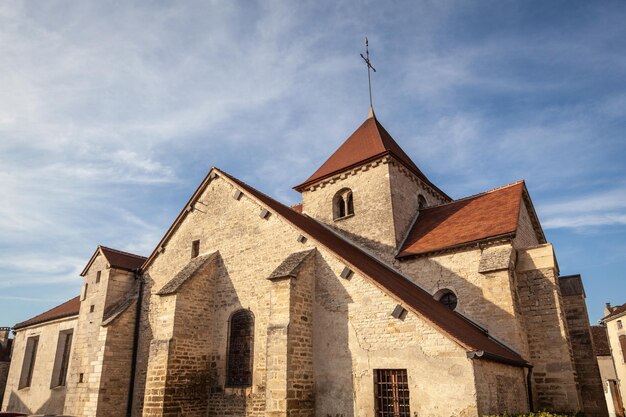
x,y
599,209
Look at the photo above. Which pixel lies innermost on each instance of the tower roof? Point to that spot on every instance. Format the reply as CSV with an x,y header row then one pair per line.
x,y
370,141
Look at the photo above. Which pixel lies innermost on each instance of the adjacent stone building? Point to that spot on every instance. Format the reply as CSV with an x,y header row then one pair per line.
x,y
613,323
378,295
5,358
610,383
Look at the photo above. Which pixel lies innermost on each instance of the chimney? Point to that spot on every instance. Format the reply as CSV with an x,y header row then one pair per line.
x,y
607,309
4,337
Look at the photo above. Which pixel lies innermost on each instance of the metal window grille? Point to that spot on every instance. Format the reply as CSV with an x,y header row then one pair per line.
x,y
240,350
392,393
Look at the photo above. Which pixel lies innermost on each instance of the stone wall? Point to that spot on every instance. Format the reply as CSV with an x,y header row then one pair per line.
x,y
4,374
352,329
484,284
372,225
590,382
102,358
619,357
555,382
526,235
500,388
40,397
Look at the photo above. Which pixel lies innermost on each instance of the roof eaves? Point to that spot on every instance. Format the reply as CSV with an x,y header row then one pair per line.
x,y
28,323
477,242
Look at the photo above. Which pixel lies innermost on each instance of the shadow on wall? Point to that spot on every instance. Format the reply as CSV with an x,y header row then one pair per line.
x,y
52,405
331,348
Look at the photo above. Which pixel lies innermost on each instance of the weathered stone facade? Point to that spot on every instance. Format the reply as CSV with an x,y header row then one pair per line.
x,y
159,338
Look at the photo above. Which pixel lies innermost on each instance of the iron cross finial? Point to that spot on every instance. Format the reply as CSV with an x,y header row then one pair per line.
x,y
366,58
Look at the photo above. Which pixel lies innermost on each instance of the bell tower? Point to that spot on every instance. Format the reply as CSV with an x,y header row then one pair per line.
x,y
369,190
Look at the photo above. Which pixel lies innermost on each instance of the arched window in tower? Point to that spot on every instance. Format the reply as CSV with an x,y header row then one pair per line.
x,y
447,298
240,349
343,204
421,202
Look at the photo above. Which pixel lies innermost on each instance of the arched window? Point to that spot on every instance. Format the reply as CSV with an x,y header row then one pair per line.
x,y
447,298
343,204
240,349
421,202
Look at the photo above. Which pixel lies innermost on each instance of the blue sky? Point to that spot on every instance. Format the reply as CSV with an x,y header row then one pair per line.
x,y
111,113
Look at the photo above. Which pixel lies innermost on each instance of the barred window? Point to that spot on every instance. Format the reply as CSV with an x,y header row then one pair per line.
x,y
240,349
392,393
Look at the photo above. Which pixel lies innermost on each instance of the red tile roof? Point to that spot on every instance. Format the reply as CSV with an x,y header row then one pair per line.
x,y
487,215
122,260
67,309
117,259
370,141
297,207
600,341
615,311
421,302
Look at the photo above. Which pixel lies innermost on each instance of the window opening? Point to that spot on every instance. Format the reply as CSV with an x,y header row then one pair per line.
x,y
98,276
195,248
240,349
343,204
421,202
392,393
449,300
28,366
62,359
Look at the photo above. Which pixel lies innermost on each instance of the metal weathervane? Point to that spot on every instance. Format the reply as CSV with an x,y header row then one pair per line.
x,y
366,58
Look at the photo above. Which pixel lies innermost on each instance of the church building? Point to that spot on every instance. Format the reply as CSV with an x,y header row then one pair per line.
x,y
377,295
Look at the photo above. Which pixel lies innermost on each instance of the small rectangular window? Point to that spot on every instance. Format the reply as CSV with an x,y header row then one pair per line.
x,y
92,308
619,324
62,359
195,248
622,343
28,366
84,292
81,378
98,276
392,393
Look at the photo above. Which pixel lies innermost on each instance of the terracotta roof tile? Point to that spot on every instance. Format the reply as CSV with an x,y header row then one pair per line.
x,y
67,309
615,311
417,299
600,341
297,207
370,141
490,214
122,260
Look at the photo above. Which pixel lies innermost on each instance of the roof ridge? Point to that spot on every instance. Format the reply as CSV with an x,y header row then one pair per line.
x,y
122,252
469,197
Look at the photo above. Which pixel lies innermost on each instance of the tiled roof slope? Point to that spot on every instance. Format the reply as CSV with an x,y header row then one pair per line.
x,y
421,302
600,341
615,311
67,309
122,260
370,141
490,214
117,259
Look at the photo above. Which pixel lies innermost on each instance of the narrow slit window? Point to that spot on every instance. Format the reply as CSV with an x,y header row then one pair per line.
x,y
28,366
98,274
392,393
622,343
195,248
240,349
